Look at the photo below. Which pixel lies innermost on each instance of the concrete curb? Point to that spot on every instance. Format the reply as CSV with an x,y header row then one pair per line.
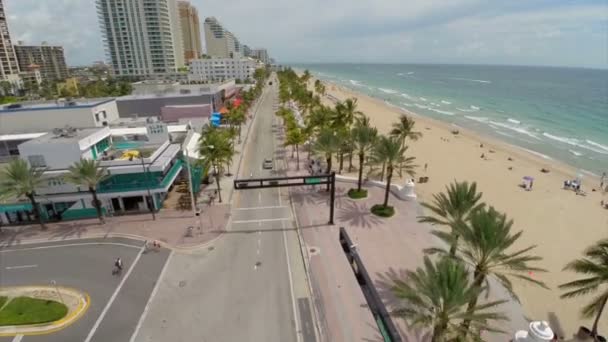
x,y
47,328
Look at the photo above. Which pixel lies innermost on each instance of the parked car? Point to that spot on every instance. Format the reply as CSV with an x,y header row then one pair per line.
x,y
267,163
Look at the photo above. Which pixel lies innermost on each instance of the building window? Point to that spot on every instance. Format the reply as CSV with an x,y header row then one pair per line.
x,y
97,117
37,161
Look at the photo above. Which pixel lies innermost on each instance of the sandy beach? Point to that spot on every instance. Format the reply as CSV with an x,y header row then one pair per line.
x,y
561,223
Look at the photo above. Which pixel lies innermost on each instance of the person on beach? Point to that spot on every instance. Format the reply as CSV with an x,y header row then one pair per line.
x,y
425,166
602,180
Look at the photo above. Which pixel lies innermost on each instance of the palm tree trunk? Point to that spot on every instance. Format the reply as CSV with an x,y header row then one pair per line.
x,y
401,164
239,133
360,181
389,175
293,152
36,210
597,318
438,332
350,161
341,162
219,191
454,246
479,278
383,169
297,158
97,205
328,164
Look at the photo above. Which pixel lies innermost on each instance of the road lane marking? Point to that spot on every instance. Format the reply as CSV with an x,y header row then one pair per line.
x,y
263,220
17,338
152,295
114,295
261,208
19,267
259,197
67,245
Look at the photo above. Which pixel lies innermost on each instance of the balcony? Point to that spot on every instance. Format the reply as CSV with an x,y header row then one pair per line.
x,y
141,181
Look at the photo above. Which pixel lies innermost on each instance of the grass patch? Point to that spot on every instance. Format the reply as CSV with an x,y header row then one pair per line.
x,y
26,310
2,301
382,211
356,194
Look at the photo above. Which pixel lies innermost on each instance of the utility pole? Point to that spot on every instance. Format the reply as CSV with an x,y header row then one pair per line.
x,y
152,209
332,196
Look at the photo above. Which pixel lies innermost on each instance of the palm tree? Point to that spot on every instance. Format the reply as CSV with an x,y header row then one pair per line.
x,y
404,129
305,76
319,87
87,172
364,138
485,243
346,113
327,144
435,297
595,268
19,179
389,152
295,137
453,207
216,148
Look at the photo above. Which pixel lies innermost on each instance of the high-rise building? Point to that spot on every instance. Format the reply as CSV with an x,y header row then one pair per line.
x,y
219,69
142,37
8,60
220,42
50,59
246,51
261,55
191,31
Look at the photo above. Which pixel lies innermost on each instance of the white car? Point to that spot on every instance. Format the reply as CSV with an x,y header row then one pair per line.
x,y
267,163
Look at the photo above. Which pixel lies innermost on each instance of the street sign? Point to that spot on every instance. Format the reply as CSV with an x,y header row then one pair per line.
x,y
312,180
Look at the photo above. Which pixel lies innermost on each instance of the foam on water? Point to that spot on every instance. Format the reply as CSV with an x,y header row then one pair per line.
x,y
474,107
410,73
595,147
406,95
576,153
423,99
470,80
481,119
598,145
446,102
407,104
544,156
356,83
444,112
517,122
421,106
518,129
388,91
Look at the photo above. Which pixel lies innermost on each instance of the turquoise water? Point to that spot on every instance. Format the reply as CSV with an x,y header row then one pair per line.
x,y
557,113
126,145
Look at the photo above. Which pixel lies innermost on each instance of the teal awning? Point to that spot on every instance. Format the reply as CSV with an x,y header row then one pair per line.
x,y
15,207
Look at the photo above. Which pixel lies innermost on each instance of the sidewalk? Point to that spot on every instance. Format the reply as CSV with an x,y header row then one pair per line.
x,y
388,247
170,228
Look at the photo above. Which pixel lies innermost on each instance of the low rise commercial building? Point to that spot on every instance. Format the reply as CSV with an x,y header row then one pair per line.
x,y
44,116
140,170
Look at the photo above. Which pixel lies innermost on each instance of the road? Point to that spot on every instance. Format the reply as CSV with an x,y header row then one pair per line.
x,y
251,285
87,265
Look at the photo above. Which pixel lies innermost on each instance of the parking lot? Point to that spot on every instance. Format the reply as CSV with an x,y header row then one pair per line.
x,y
117,301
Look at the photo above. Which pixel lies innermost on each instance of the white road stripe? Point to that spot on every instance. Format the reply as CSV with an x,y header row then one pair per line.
x,y
152,295
263,220
69,245
261,208
114,295
19,267
17,338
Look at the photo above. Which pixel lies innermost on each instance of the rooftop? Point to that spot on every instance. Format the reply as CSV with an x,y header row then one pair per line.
x,y
49,105
74,135
168,94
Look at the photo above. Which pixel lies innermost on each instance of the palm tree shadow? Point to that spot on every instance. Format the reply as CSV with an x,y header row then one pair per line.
x,y
70,230
384,285
357,214
12,238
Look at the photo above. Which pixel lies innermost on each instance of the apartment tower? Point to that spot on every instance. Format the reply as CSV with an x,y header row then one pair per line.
x,y
220,42
50,59
191,30
8,60
142,37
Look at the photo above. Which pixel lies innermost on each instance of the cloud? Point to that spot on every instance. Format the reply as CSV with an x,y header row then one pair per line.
x,y
553,32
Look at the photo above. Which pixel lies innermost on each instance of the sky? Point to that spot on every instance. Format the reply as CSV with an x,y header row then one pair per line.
x,y
514,32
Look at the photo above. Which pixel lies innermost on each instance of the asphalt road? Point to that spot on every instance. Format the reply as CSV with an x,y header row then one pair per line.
x,y
250,285
87,265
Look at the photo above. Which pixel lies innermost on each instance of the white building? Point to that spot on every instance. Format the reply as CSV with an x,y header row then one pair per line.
x,y
142,37
140,167
218,69
261,55
43,117
220,42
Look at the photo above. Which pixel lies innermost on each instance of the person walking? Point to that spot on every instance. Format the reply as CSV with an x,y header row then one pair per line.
x,y
602,180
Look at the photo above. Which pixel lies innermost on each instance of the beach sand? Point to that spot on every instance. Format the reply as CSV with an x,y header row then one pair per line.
x,y
561,223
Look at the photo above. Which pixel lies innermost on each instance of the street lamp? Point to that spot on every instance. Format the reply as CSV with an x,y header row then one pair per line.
x,y
54,283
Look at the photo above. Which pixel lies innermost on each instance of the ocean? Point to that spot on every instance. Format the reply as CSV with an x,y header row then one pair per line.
x,y
555,113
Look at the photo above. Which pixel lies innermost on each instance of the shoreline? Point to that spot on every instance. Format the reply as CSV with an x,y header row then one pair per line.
x,y
560,223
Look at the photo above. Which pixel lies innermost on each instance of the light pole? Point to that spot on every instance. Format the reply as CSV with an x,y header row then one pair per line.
x,y
141,157
54,283
192,201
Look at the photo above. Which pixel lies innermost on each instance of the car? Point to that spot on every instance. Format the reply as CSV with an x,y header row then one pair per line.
x,y
267,163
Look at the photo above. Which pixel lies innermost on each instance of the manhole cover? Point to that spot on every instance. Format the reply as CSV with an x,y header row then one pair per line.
x,y
182,283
